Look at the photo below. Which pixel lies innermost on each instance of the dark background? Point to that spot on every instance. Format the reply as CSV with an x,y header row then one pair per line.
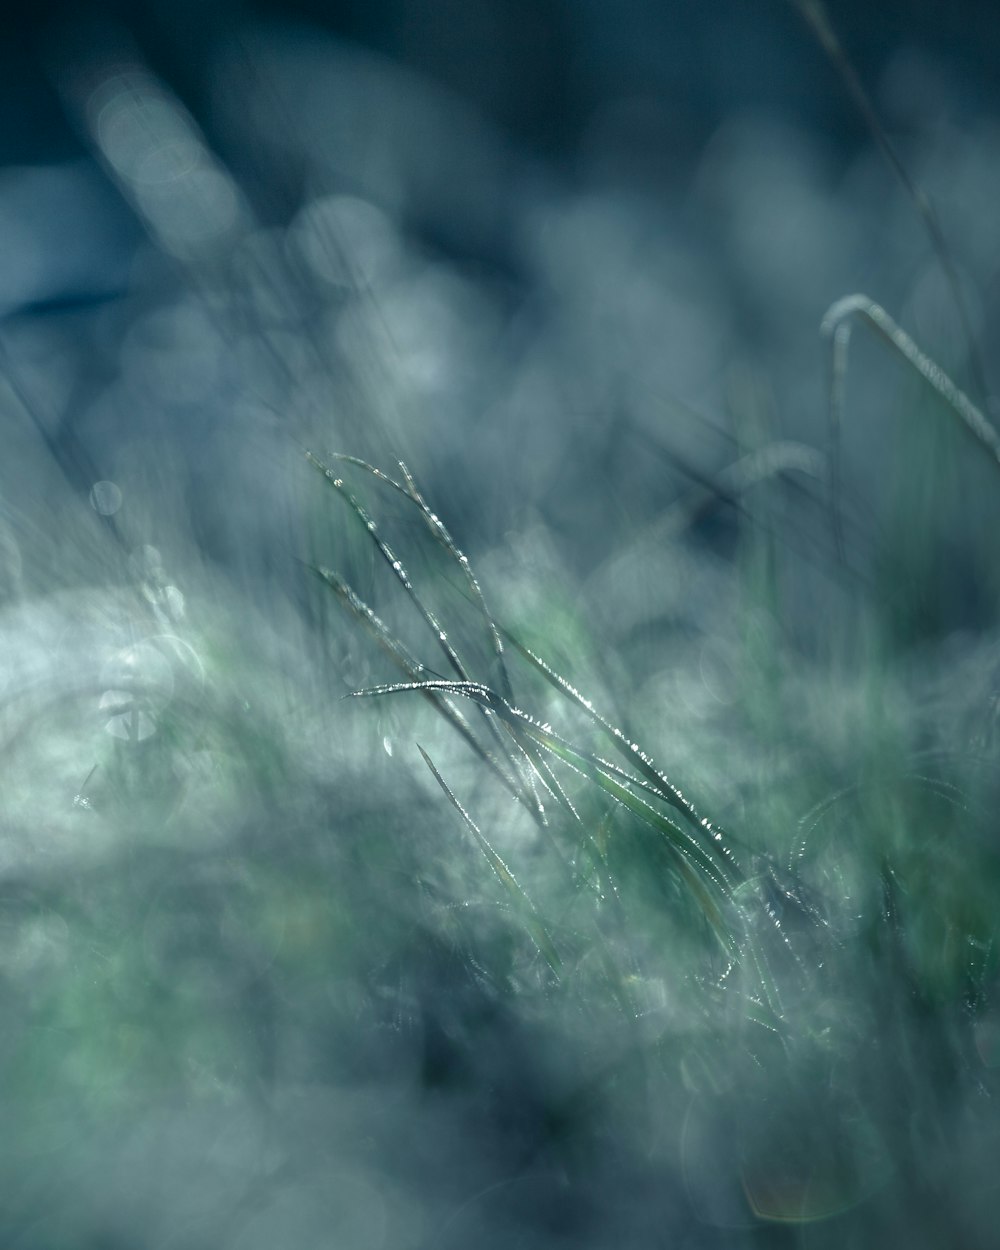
x,y
537,67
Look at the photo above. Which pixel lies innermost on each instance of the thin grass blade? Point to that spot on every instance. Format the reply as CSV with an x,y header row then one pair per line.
x,y
397,567
533,921
440,532
415,672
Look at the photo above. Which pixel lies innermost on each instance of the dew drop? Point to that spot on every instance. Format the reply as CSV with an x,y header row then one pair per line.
x,y
105,498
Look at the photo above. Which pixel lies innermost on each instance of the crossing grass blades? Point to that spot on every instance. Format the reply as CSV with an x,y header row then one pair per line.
x,y
809,1052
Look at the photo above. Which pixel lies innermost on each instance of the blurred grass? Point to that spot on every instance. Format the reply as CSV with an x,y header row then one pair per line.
x,y
813,1004
544,992
863,944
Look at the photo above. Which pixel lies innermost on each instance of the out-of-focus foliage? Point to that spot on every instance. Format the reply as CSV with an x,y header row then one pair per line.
x,y
268,980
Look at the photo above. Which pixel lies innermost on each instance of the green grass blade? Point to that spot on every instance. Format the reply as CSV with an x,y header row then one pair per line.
x,y
720,872
629,750
836,327
533,921
440,532
395,565
415,671
816,16
398,569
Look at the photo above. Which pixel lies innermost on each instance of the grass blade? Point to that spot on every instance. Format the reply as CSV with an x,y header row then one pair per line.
x,y
720,872
415,672
533,921
836,327
440,532
397,568
631,751
815,14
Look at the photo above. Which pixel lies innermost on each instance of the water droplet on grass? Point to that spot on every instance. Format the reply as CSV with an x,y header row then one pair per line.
x,y
105,498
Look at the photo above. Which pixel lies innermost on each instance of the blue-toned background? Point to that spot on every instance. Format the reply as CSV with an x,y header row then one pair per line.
x,y
261,983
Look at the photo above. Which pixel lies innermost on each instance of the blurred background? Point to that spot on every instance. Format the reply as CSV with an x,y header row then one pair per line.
x,y
539,71
684,188
570,262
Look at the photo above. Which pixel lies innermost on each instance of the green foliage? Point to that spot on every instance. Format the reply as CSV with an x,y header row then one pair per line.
x,y
851,949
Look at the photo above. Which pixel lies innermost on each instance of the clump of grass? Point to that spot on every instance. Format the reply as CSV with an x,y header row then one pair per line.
x,y
529,748
827,986
541,990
